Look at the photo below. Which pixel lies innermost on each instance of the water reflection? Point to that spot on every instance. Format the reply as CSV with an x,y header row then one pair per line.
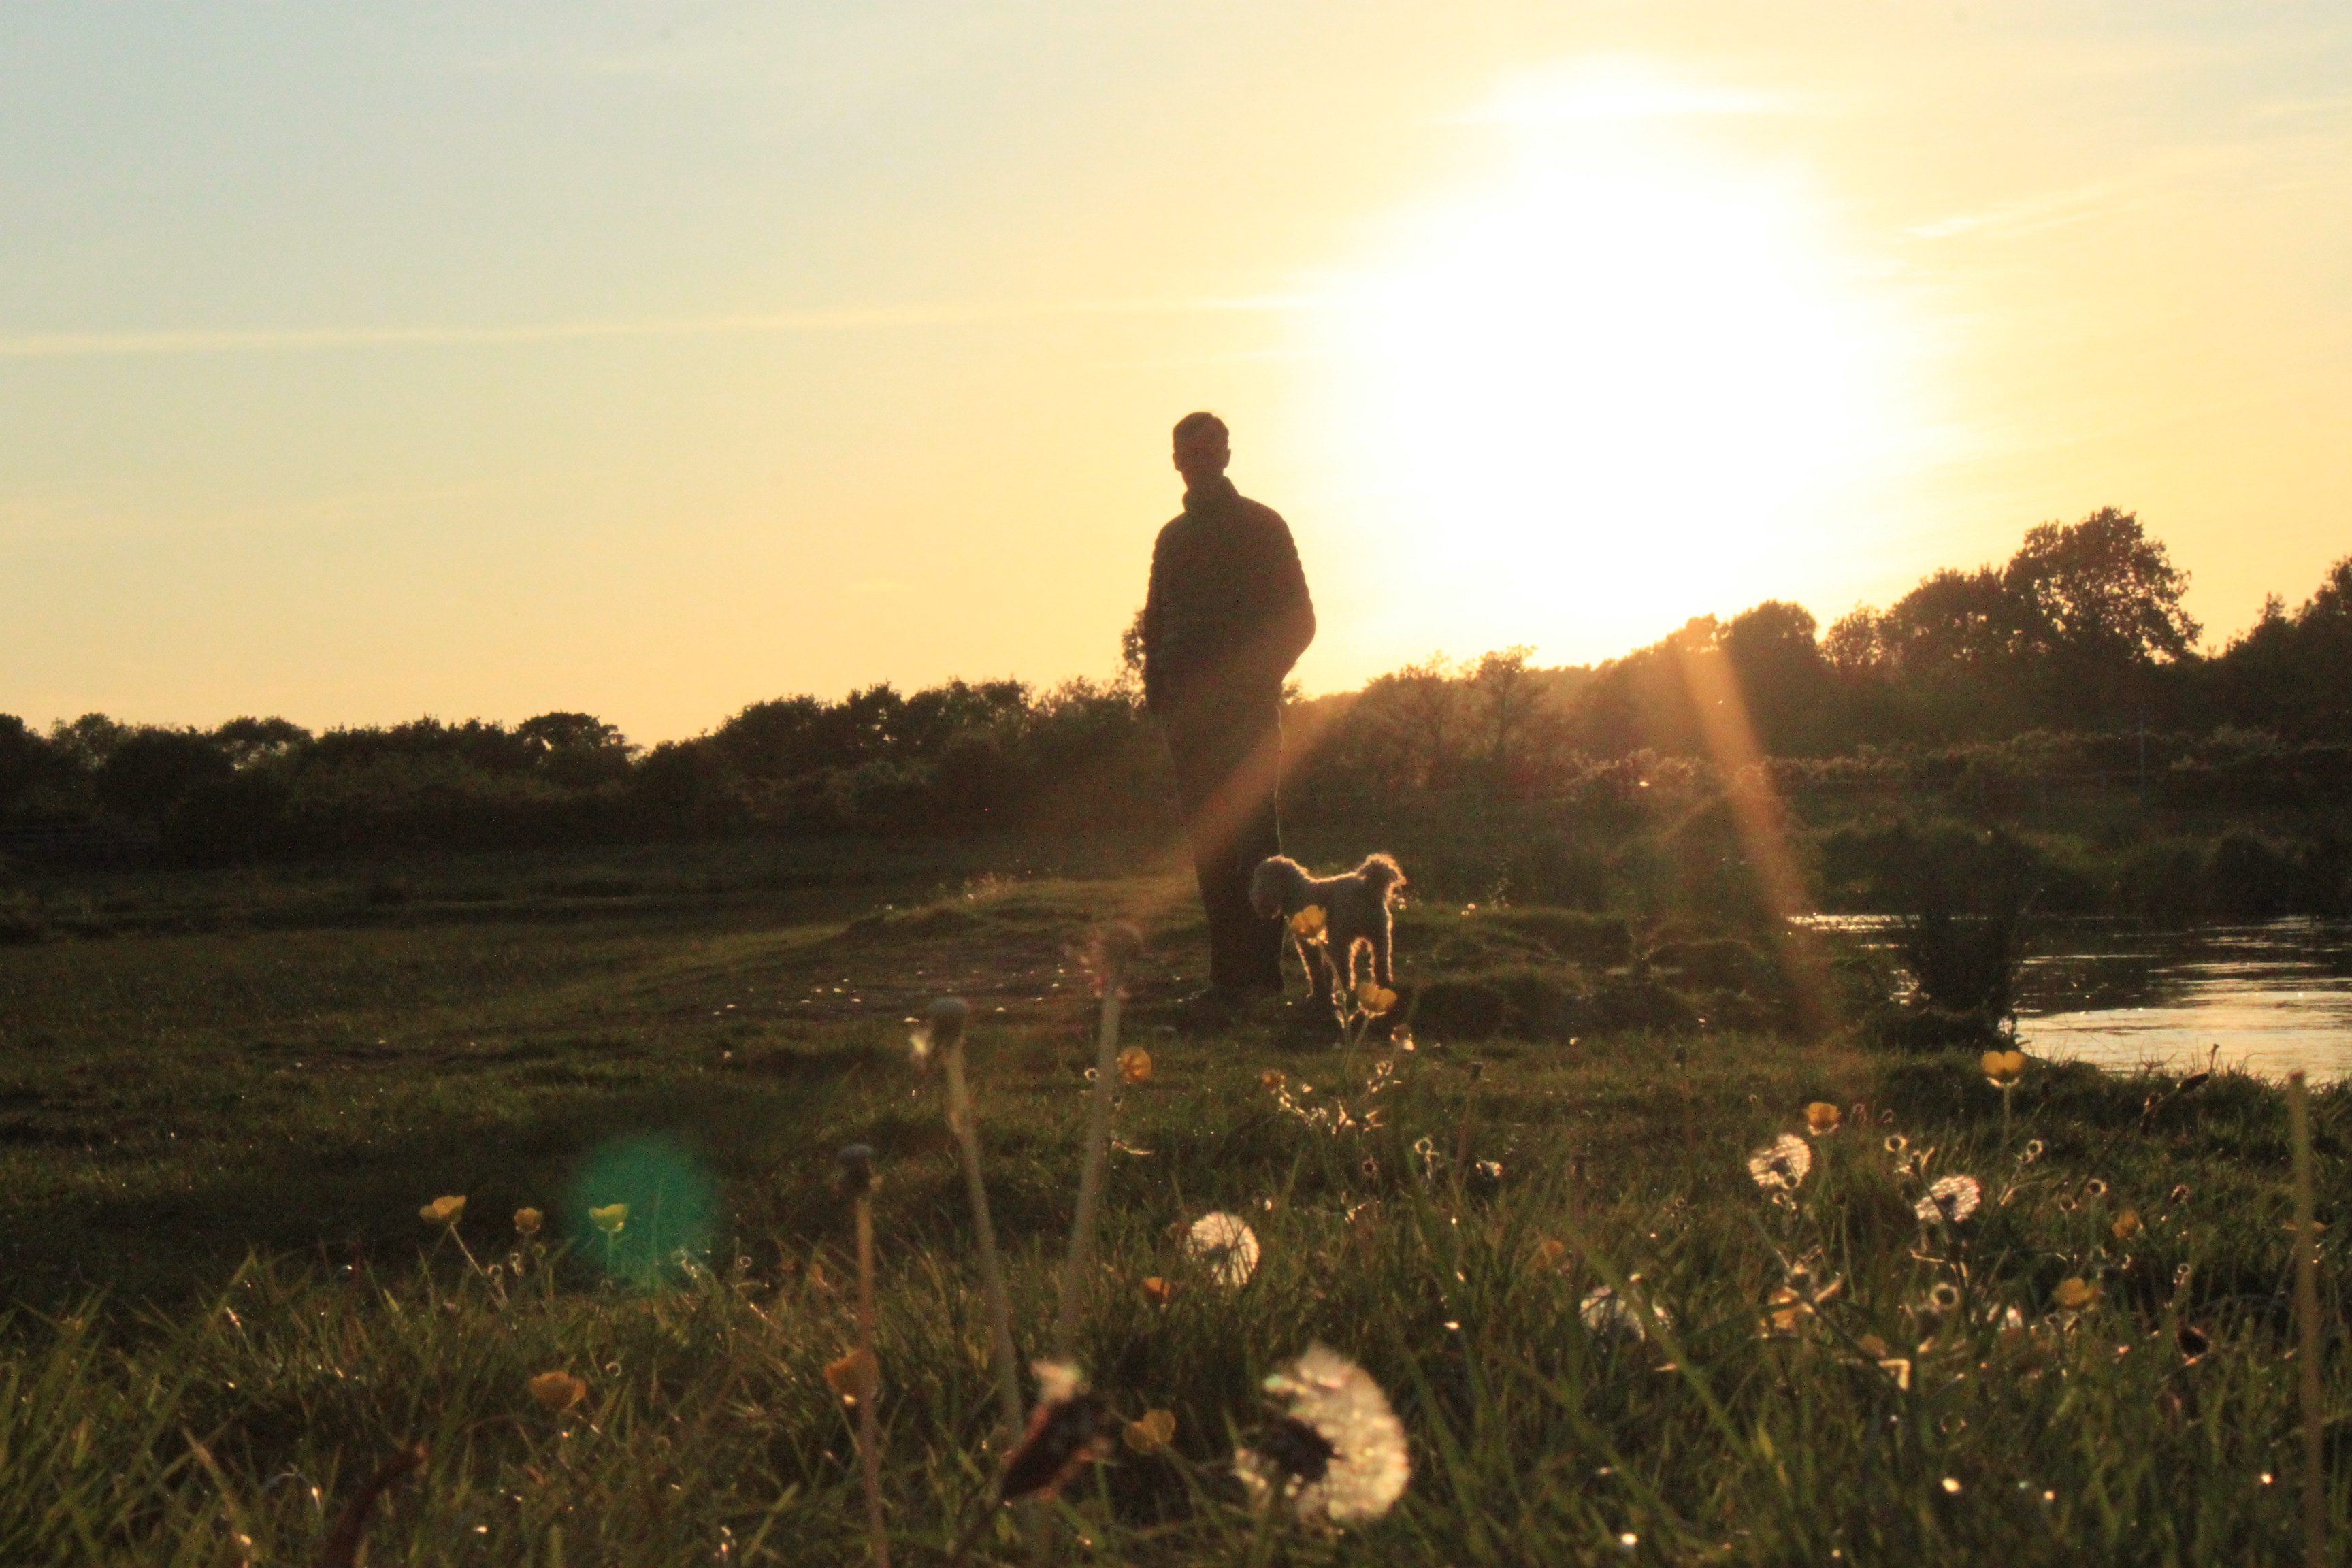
x,y
2272,997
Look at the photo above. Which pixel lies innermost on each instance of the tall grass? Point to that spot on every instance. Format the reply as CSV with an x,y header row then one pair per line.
x,y
2152,1421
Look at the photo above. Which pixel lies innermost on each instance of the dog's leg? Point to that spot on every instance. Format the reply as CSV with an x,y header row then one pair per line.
x,y
1383,939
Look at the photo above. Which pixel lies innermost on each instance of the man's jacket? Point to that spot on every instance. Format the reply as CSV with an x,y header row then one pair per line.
x,y
1228,613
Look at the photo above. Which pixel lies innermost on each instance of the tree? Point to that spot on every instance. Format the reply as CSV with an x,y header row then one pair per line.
x,y
154,770
2099,593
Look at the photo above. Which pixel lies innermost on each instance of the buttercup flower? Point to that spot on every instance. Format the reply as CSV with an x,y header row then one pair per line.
x,y
1134,1065
443,1211
2002,1069
528,1221
1374,997
1339,1451
1309,922
1950,1200
1228,1247
2075,1295
853,1377
2126,1225
557,1390
1821,1118
610,1218
1781,1165
1153,1432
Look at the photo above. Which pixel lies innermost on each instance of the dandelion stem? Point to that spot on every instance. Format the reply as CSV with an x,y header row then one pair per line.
x,y
1118,946
2307,1321
857,1171
992,1277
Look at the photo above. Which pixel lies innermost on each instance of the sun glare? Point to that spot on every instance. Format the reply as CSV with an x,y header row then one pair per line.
x,y
1609,387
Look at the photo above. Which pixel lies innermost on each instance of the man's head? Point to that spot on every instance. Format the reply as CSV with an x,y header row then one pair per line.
x,y
1202,448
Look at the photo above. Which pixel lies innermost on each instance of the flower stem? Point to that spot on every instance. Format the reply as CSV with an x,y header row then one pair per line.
x,y
2306,1322
869,1454
992,1277
1090,1174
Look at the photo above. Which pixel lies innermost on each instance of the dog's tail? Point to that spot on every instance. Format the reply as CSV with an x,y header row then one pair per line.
x,y
1381,872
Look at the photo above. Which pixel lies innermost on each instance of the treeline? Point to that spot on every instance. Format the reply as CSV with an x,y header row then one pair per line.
x,y
2072,665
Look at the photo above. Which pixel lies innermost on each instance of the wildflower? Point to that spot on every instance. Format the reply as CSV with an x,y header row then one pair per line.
x,y
2126,1225
1605,1313
1374,997
528,1221
610,1218
558,1391
2002,1069
1781,1165
1153,1432
1308,923
1821,1118
1228,1247
853,1377
1784,1313
1069,1427
2074,1295
1135,1065
1157,1289
1550,1251
443,1211
1950,1200
1337,1453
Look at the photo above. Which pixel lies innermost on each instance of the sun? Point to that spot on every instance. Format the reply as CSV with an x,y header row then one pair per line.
x,y
1607,390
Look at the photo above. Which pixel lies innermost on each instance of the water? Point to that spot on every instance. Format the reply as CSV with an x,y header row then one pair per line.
x,y
2272,997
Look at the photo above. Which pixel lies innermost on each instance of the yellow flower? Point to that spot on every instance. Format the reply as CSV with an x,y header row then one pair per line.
x,y
443,1211
853,1376
2002,1069
610,1218
1157,1288
557,1390
528,1221
1151,1434
1374,997
1307,924
2126,1225
1134,1065
1821,1118
2075,1295
1550,1251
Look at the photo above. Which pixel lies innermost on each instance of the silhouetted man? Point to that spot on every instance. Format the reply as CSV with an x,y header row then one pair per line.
x,y
1227,618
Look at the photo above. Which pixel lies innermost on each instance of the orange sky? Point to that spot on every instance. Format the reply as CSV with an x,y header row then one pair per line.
x,y
652,359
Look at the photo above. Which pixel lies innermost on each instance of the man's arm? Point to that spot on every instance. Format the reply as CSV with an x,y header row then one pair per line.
x,y
1155,678
1289,617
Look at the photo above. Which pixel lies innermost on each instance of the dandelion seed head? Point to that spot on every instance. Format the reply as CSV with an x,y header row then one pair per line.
x,y
1338,1452
1227,1246
1782,1165
1950,1200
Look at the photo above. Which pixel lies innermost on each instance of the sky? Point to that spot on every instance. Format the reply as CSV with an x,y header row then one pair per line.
x,y
651,360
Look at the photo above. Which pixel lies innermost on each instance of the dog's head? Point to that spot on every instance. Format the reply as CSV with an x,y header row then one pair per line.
x,y
1382,873
1273,887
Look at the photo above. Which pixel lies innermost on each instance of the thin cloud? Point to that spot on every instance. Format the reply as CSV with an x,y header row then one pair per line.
x,y
295,339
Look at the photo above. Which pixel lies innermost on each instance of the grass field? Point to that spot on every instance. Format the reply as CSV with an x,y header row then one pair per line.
x,y
217,1126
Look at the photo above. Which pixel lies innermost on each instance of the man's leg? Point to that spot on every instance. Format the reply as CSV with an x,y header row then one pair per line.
x,y
1228,762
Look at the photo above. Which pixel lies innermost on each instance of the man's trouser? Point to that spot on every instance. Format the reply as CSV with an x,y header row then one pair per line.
x,y
1227,748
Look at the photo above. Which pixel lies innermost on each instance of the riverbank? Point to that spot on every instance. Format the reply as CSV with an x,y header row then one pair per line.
x,y
2091,1361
